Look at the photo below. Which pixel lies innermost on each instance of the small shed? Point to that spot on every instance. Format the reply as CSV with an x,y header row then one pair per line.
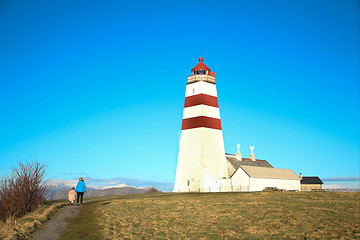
x,y
311,184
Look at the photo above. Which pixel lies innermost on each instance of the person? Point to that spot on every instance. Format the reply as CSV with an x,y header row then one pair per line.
x,y
80,190
71,195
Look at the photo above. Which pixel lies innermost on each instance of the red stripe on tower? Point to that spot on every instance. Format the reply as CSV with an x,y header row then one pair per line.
x,y
201,121
201,99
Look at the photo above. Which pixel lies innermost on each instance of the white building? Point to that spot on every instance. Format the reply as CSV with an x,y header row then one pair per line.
x,y
256,175
202,163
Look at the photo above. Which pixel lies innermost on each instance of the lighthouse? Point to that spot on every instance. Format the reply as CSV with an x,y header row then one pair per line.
x,y
201,165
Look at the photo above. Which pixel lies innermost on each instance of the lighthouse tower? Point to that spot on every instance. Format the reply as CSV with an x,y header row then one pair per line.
x,y
201,162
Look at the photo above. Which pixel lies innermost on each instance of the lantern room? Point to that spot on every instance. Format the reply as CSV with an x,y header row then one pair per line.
x,y
201,68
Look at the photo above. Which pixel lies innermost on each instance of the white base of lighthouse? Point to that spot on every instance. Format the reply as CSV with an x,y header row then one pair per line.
x,y
201,161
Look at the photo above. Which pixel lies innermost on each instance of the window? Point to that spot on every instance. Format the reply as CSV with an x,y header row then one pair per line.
x,y
200,72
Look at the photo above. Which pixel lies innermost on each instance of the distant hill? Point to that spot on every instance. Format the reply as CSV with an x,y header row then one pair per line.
x,y
63,194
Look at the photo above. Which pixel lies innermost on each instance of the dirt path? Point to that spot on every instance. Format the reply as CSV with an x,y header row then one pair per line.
x,y
53,228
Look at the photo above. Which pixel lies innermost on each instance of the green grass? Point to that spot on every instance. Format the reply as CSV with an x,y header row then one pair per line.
x,y
84,225
260,215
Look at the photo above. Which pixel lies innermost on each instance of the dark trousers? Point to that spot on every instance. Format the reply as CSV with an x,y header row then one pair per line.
x,y
80,194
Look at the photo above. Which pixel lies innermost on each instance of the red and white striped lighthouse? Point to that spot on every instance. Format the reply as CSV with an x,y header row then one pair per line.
x,y
201,162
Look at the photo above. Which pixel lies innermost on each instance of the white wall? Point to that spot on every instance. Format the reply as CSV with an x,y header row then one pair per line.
x,y
201,157
200,87
258,184
201,110
240,180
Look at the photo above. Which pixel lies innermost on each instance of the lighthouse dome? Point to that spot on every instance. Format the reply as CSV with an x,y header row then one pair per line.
x,y
200,68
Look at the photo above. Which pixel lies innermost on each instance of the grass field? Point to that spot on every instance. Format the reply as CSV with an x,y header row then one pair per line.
x,y
259,215
22,228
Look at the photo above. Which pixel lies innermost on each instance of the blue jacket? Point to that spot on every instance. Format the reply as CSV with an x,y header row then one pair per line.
x,y
80,187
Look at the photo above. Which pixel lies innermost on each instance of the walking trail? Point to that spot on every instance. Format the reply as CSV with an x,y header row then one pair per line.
x,y
53,228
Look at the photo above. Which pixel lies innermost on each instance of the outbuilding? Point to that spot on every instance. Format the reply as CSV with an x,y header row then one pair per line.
x,y
256,175
310,183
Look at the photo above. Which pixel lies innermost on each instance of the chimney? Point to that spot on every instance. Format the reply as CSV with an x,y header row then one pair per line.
x,y
238,154
300,176
252,156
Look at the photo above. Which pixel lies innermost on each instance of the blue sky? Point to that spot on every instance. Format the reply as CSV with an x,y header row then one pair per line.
x,y
96,88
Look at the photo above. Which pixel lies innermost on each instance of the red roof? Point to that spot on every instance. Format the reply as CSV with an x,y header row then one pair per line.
x,y
201,66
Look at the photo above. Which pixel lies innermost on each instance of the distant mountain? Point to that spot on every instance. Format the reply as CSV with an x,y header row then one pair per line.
x,y
55,186
63,194
116,186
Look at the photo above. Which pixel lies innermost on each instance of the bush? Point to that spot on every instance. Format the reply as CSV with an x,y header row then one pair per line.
x,y
23,191
153,190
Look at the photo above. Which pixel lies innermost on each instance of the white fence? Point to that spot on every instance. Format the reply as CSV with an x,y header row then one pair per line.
x,y
221,189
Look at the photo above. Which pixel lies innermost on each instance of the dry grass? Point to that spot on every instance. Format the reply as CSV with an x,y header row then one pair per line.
x,y
262,215
22,228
